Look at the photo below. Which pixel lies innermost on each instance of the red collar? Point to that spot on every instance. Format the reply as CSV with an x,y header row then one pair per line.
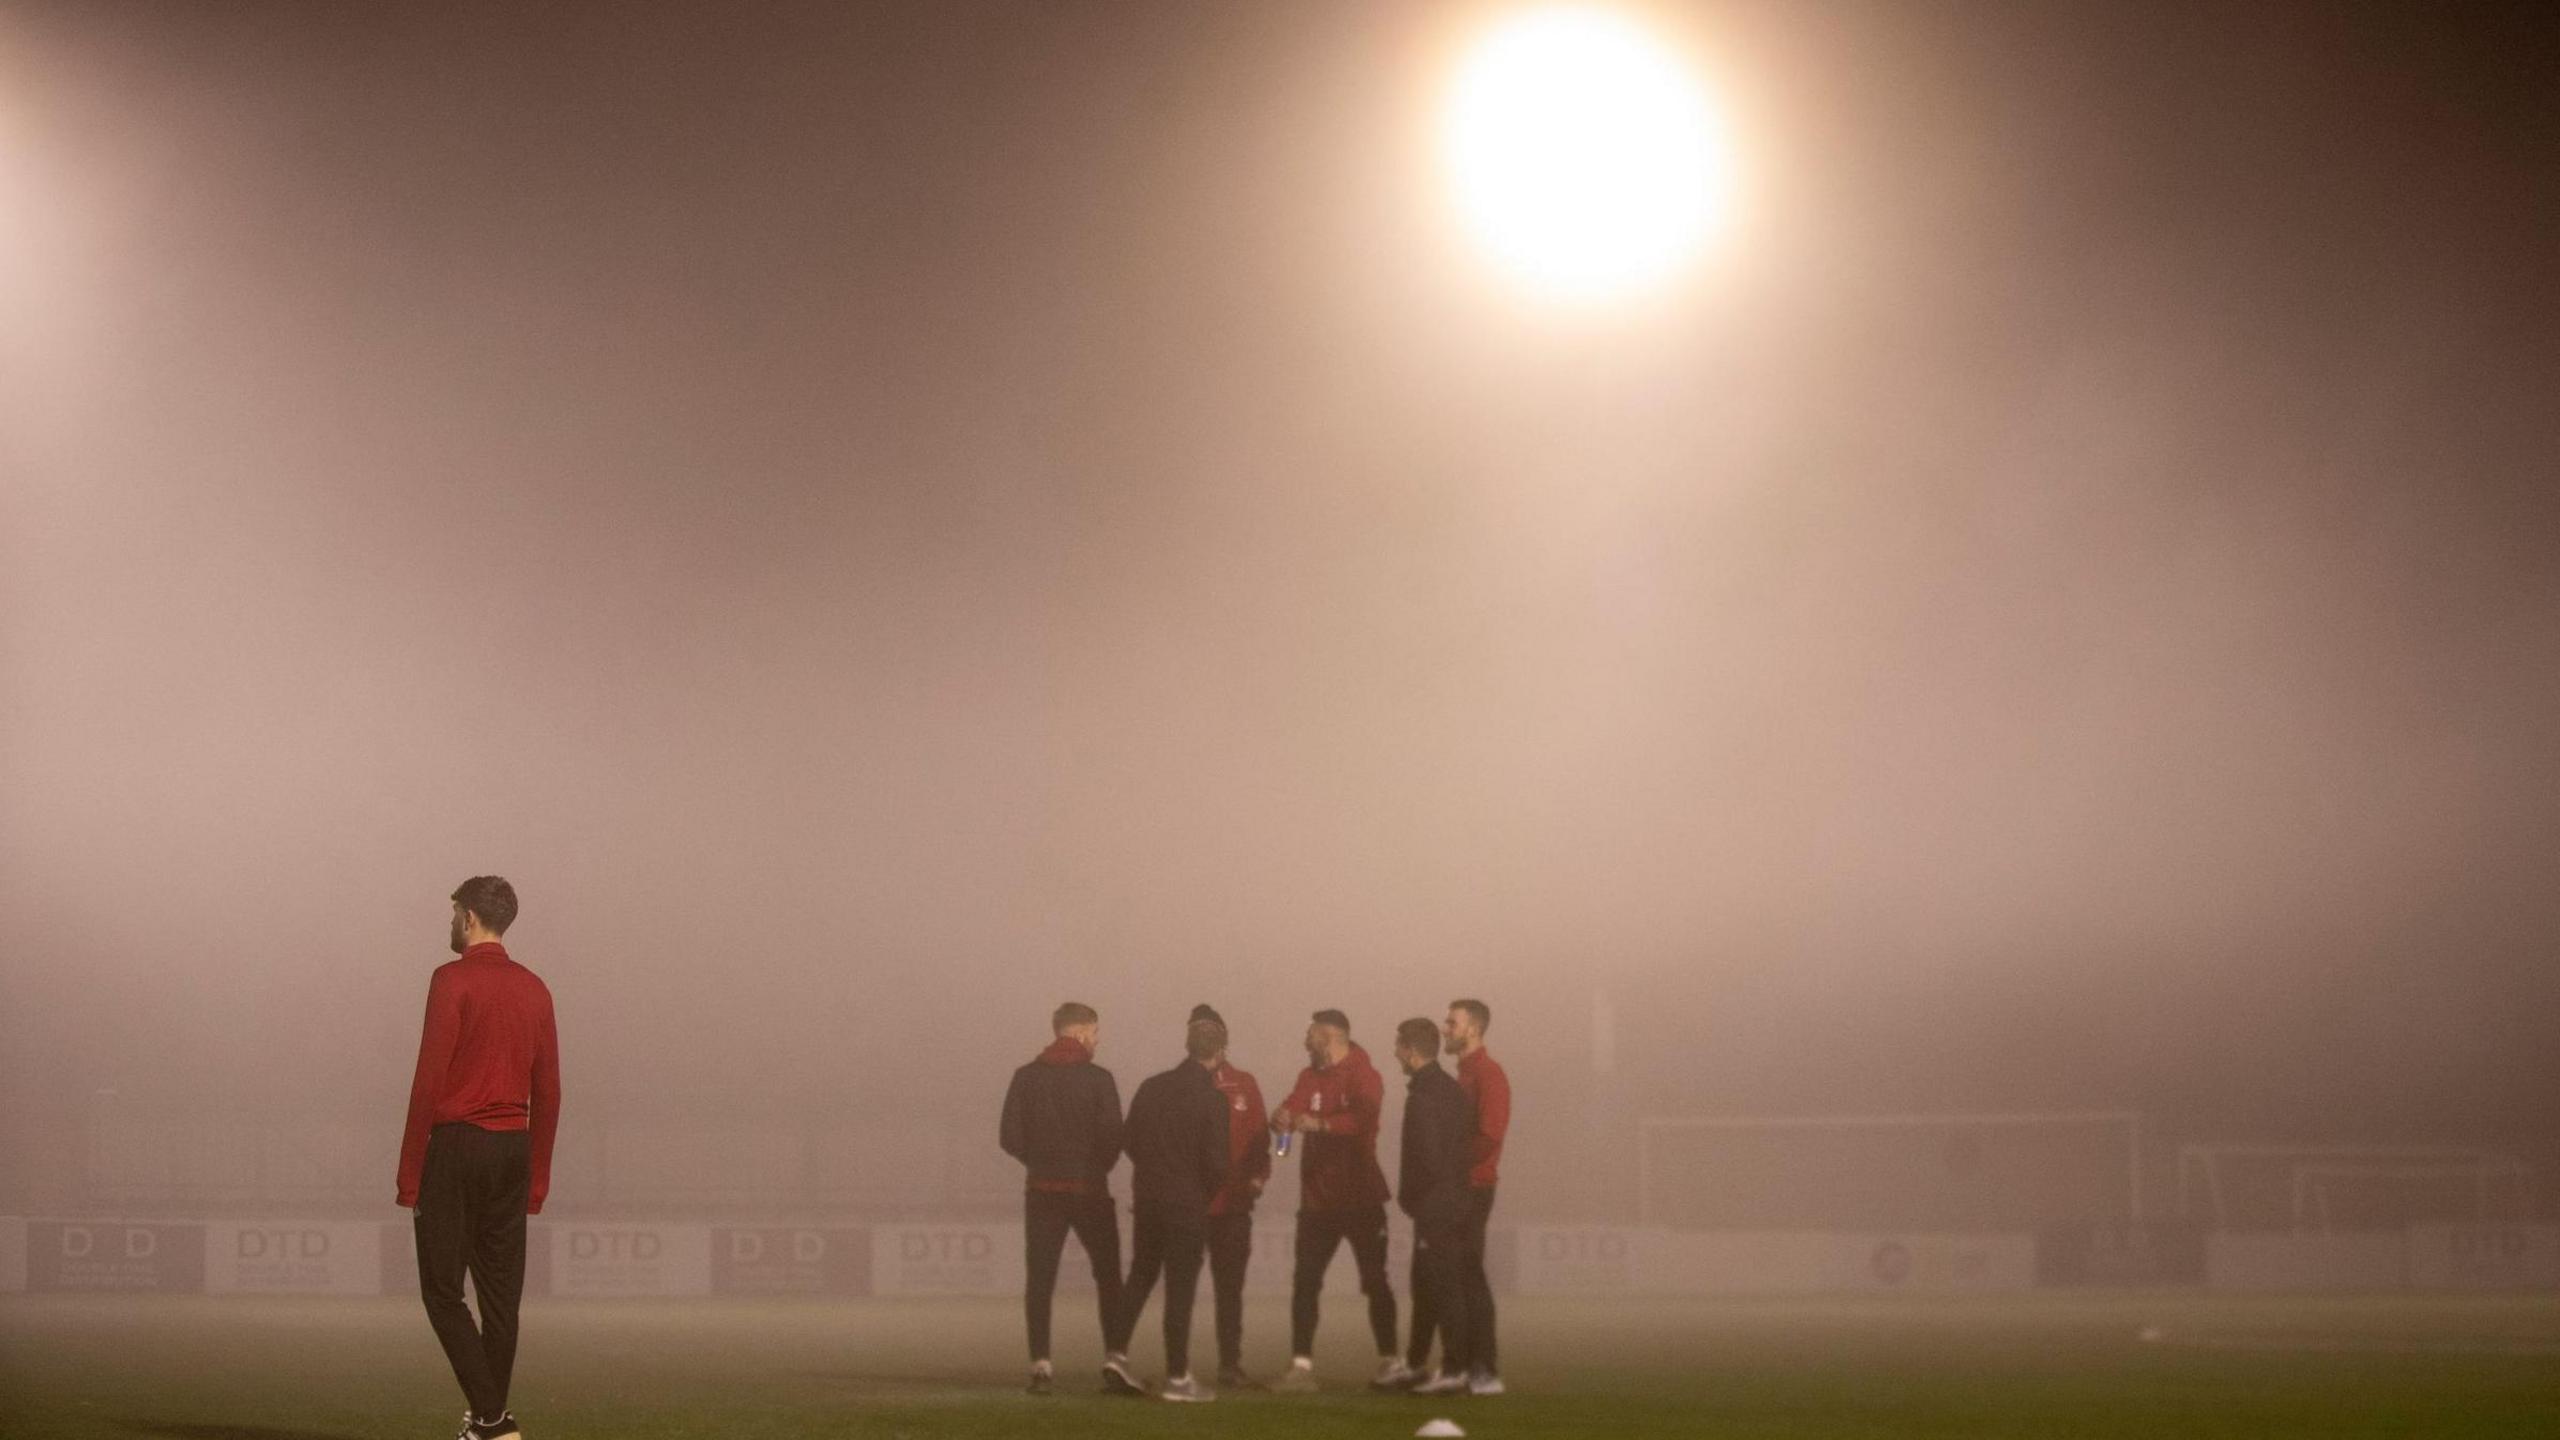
x,y
486,950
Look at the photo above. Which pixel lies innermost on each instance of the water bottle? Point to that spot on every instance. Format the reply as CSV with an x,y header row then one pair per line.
x,y
1280,1143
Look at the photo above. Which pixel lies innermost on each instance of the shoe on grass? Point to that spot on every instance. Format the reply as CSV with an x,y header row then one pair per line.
x,y
1440,1382
1299,1379
1116,1379
1395,1375
1187,1390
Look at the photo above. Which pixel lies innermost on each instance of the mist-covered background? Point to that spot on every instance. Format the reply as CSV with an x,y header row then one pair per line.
x,y
879,520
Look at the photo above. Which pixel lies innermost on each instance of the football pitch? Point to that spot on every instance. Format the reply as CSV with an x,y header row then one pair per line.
x,y
204,1368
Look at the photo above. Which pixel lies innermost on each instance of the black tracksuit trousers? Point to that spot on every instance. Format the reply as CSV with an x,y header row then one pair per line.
x,y
1230,1251
1047,1216
1170,1243
471,1207
1320,1233
1479,1288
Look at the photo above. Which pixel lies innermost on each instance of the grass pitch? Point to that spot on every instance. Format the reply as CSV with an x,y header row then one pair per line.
x,y
200,1368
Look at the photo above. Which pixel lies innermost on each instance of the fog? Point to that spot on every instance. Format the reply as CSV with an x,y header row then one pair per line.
x,y
879,522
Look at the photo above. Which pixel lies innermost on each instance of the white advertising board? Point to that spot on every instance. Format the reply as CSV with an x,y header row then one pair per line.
x,y
2484,1257
2351,1263
604,1260
1607,1260
290,1257
923,1258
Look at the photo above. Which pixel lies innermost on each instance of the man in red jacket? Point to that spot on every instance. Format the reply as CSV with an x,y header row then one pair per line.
x,y
1231,1212
475,1158
1489,1089
1342,1194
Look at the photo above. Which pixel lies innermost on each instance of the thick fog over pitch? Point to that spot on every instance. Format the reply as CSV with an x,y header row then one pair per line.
x,y
880,523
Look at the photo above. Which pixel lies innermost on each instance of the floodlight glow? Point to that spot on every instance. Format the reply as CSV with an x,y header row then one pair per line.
x,y
1584,156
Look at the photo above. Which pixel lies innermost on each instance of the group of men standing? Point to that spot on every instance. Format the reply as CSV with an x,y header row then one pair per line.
x,y
1200,1147
484,1108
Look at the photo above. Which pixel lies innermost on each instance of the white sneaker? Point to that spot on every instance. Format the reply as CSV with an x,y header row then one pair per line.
x,y
1484,1382
1300,1379
1440,1382
1394,1374
1116,1379
1188,1390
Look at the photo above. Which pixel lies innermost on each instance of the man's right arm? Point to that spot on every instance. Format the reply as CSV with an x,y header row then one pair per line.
x,y
1297,1101
436,1039
546,1107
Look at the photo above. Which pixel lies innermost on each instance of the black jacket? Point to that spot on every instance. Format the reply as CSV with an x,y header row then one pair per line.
x,y
1177,1142
1062,1121
1439,1128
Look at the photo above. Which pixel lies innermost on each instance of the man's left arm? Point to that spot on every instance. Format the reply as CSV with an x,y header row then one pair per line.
x,y
436,1040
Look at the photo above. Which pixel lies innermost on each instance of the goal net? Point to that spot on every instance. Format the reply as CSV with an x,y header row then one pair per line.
x,y
2321,1188
1948,1173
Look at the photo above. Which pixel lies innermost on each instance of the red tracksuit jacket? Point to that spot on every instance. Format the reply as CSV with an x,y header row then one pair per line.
x,y
490,1057
1248,1142
1340,1169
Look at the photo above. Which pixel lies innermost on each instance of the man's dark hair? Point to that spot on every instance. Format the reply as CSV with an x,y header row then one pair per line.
x,y
1419,1035
1334,1018
490,898
1069,1015
1476,1011
1204,1012
1204,1039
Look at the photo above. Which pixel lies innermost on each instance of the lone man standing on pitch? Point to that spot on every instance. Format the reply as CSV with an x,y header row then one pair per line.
x,y
1062,1121
1231,1212
1342,1193
1177,1164
1489,1089
475,1158
1431,1185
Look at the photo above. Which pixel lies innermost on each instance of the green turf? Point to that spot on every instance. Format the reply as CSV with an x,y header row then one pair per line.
x,y
2045,1367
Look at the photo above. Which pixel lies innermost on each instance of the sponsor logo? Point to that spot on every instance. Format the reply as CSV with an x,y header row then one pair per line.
x,y
78,1255
948,1260
631,1260
785,1261
1576,1260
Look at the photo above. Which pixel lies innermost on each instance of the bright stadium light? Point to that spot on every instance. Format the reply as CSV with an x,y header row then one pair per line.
x,y
1583,154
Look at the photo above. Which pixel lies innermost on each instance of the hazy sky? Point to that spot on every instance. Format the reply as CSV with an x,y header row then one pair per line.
x,y
879,520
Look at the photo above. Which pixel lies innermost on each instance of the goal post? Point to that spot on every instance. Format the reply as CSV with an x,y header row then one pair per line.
x,y
1979,1171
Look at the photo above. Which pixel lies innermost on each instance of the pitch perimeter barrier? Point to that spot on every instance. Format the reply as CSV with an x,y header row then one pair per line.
x,y
1608,1260
984,1258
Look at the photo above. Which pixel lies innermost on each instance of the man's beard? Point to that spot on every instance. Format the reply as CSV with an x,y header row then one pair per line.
x,y
458,946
